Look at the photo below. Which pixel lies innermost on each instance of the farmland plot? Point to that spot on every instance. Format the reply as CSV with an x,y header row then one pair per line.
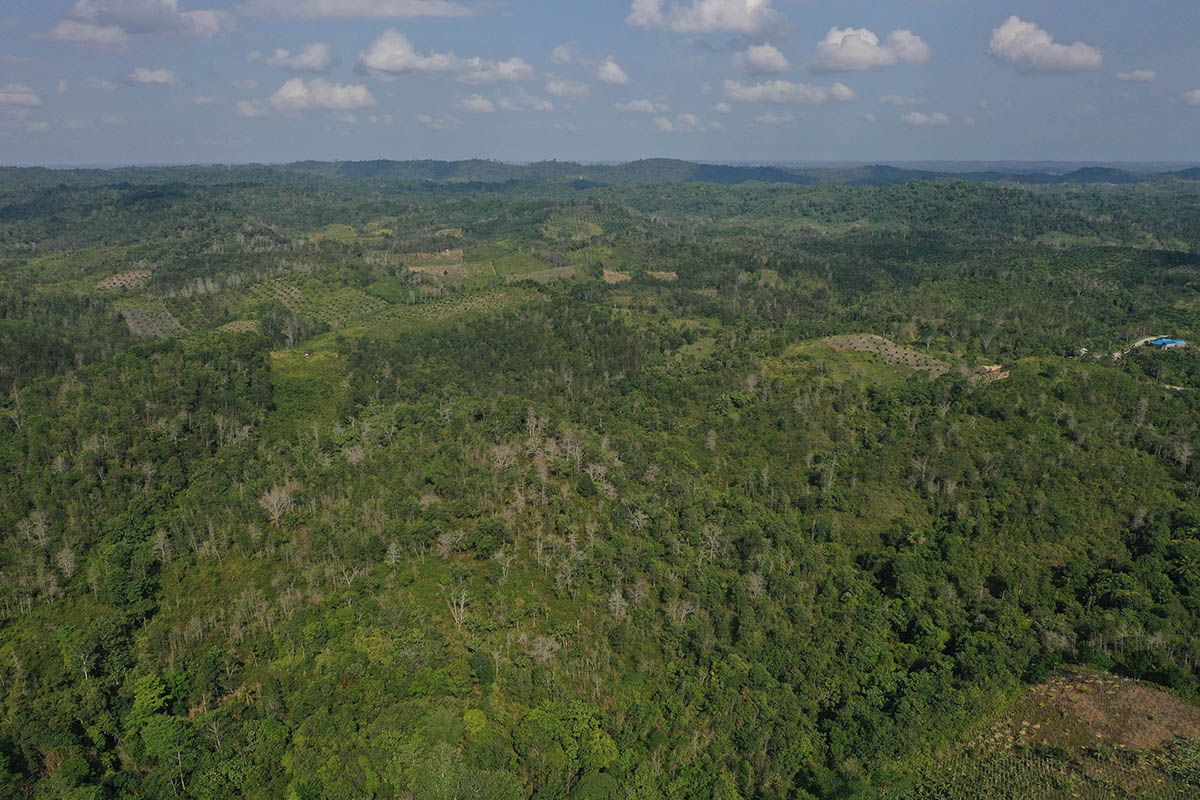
x,y
125,281
152,322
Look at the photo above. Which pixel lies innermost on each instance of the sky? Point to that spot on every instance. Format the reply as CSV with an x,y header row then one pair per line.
x,y
109,82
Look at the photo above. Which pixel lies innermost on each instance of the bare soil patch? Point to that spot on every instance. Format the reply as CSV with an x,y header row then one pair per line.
x,y
125,281
614,277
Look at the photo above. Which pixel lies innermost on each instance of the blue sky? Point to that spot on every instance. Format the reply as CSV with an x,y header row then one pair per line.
x,y
184,81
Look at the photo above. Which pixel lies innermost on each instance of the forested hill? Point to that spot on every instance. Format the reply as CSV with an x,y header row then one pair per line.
x,y
317,487
575,175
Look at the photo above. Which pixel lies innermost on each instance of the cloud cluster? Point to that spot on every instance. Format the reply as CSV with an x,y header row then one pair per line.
x,y
917,119
1030,48
610,72
683,123
14,95
316,57
787,92
298,96
114,23
523,101
1192,98
901,101
1138,76
354,9
567,89
476,104
392,55
642,107
750,17
145,76
859,49
761,59
774,118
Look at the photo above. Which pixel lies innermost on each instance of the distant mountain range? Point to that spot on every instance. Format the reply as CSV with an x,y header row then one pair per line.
x,y
665,170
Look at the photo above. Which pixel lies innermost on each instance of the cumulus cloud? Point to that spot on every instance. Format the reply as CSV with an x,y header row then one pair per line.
x,y
642,107
145,76
918,119
1030,48
564,54
99,84
14,95
859,49
523,101
354,9
775,118
1138,76
723,108
610,72
761,59
682,123
112,23
316,57
749,17
1192,98
568,90
787,92
436,122
204,100
901,101
298,96
392,54
476,104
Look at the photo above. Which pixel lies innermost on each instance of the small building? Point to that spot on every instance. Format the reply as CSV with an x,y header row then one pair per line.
x,y
1168,344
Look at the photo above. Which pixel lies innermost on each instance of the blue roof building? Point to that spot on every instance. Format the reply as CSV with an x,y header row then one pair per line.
x,y
1166,344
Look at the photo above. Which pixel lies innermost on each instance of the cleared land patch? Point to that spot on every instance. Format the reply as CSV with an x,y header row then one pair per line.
x,y
150,321
125,281
669,277
240,326
890,352
614,277
1079,735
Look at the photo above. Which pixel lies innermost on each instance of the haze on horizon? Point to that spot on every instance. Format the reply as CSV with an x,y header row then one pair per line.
x,y
105,82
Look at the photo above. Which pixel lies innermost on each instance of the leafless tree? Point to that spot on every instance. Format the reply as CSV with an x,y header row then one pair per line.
x,y
617,604
458,607
277,502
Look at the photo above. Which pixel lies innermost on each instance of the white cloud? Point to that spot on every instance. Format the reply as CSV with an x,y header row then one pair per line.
x,y
70,31
251,109
439,123
788,92
750,17
63,86
918,119
204,100
564,54
476,104
859,49
568,90
316,57
775,118
355,9
901,101
99,84
523,101
761,59
145,76
300,95
868,117
1031,49
14,95
1192,98
1138,76
681,123
392,54
723,108
642,107
610,72
112,23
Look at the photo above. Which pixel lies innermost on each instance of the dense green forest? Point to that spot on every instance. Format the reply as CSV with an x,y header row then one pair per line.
x,y
663,480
